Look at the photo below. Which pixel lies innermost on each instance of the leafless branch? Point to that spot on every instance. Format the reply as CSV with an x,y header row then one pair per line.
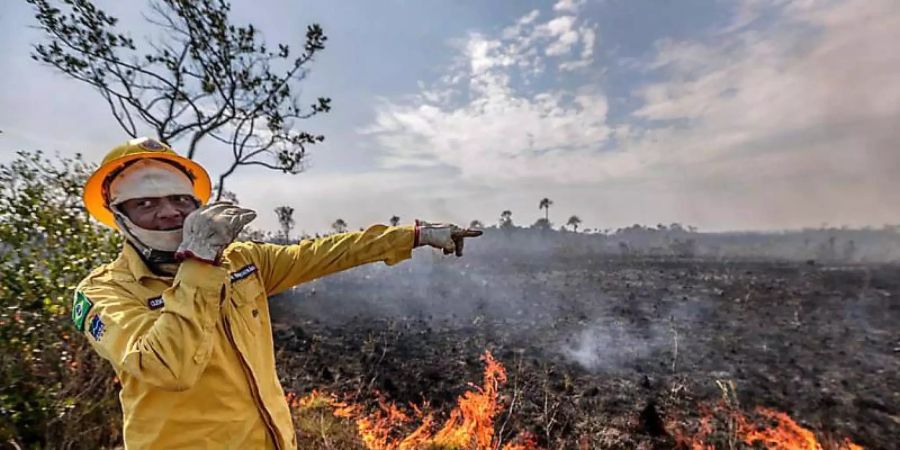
x,y
204,77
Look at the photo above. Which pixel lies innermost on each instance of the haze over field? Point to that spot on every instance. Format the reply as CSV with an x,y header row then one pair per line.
x,y
751,114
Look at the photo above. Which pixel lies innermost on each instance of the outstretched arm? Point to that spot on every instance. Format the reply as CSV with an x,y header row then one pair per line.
x,y
285,266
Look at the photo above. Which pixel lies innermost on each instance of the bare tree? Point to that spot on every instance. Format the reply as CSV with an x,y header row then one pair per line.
x,y
573,222
286,220
205,78
339,226
395,220
545,205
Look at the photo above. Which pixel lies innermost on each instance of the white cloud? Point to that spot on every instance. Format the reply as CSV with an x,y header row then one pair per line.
x,y
789,122
532,45
568,5
566,35
482,54
497,135
817,70
498,132
588,37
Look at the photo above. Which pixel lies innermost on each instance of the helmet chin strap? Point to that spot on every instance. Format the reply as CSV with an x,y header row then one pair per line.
x,y
155,246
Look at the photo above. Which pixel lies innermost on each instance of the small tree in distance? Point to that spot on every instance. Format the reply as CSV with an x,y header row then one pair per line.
x,y
545,204
573,222
506,219
339,226
542,224
286,221
395,220
476,224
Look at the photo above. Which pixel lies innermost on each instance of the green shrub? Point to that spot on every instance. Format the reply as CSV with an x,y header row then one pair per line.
x,y
54,391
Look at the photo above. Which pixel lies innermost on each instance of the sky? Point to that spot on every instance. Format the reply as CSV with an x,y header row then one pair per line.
x,y
722,114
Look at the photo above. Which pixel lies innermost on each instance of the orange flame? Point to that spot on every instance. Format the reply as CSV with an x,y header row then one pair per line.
x,y
775,431
785,434
470,424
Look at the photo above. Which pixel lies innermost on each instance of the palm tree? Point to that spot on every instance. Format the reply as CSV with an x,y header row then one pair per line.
x,y
545,205
574,221
395,220
286,220
339,226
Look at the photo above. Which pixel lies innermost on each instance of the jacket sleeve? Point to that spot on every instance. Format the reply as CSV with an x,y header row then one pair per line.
x,y
169,348
285,266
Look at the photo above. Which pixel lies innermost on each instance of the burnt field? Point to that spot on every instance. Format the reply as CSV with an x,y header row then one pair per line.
x,y
607,351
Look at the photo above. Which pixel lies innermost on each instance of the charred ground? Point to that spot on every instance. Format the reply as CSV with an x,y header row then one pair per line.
x,y
608,351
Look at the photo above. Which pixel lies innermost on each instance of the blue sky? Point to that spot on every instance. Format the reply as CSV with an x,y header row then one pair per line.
x,y
728,114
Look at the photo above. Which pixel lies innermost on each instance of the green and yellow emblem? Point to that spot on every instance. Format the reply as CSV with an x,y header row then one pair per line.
x,y
80,308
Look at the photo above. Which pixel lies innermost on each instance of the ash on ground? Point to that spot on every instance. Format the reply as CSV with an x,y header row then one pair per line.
x,y
592,341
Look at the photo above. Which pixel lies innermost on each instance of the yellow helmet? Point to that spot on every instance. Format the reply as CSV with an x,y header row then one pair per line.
x,y
95,190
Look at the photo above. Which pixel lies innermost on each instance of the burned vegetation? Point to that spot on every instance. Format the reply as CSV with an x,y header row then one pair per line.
x,y
599,350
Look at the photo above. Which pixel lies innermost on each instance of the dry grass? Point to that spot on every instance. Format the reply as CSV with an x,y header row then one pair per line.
x,y
318,429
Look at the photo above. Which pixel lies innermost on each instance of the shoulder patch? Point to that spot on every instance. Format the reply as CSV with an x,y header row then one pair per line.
x,y
244,272
81,306
155,302
97,327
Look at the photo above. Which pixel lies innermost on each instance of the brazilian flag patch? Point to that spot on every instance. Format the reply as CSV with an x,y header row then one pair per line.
x,y
80,308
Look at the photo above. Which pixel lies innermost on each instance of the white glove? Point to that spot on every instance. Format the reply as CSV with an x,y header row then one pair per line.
x,y
209,229
445,236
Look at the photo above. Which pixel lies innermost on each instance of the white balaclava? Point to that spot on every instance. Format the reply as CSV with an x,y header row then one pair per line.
x,y
148,178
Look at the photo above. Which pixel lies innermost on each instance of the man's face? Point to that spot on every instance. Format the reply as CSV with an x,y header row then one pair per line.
x,y
159,213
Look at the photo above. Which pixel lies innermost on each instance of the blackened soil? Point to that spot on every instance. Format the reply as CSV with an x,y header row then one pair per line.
x,y
608,352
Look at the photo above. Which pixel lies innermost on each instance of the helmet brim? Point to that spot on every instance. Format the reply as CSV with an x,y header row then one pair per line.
x,y
93,189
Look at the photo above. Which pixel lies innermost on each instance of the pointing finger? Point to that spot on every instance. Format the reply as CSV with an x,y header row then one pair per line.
x,y
467,232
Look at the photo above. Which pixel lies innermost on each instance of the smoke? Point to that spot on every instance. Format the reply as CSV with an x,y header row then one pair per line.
x,y
431,287
631,332
567,296
528,280
608,345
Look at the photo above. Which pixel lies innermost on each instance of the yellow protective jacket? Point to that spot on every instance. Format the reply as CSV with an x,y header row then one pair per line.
x,y
194,353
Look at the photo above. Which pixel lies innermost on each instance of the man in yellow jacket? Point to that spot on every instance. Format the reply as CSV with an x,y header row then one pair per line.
x,y
183,315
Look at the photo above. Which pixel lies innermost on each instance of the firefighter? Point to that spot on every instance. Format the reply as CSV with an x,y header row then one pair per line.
x,y
182,314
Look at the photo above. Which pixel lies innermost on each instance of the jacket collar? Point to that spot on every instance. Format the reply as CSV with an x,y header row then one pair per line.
x,y
131,261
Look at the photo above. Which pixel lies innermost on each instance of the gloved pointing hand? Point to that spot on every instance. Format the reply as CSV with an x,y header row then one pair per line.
x,y
445,236
209,229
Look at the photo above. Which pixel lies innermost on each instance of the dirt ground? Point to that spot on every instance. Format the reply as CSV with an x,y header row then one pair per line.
x,y
608,351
